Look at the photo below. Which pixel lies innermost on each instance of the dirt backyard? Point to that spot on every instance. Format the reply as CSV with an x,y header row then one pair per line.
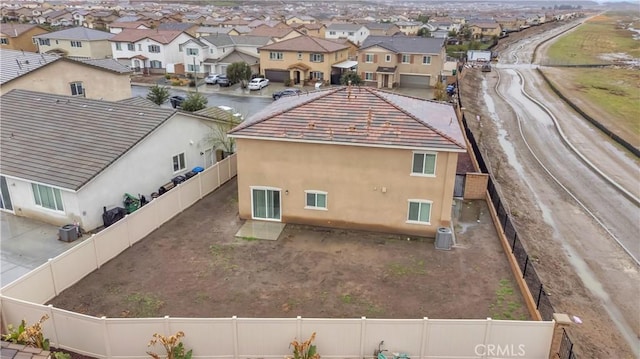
x,y
193,266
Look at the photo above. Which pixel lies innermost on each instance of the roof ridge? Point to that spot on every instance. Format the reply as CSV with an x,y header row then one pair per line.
x,y
376,92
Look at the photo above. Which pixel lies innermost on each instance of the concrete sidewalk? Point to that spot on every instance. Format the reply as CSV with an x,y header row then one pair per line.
x,y
26,244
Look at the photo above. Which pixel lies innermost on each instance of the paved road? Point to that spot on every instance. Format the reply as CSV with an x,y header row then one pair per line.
x,y
585,186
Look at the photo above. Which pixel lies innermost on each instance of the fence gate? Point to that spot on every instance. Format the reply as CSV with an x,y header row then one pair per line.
x,y
458,188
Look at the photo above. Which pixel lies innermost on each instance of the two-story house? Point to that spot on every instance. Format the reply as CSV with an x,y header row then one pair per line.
x,y
484,30
276,33
77,42
98,79
357,158
56,18
220,51
20,36
410,28
302,58
511,24
382,29
299,19
149,51
118,26
100,20
315,29
404,61
356,33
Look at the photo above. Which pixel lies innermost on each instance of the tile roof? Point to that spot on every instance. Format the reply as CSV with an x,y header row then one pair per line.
x,y
306,44
276,32
378,26
77,33
15,63
175,26
65,141
238,56
360,116
14,30
139,101
133,35
405,44
107,64
344,27
128,24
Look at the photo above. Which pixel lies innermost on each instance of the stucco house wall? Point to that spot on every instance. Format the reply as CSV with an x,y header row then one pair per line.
x,y
95,49
354,178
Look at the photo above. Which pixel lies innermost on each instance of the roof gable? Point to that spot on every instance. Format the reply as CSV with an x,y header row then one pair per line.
x,y
134,35
405,44
358,116
306,44
78,33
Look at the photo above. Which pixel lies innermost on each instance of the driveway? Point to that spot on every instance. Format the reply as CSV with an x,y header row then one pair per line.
x,y
26,244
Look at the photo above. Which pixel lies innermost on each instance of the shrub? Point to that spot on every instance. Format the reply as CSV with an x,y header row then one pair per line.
x,y
288,82
305,350
176,83
173,347
167,76
30,336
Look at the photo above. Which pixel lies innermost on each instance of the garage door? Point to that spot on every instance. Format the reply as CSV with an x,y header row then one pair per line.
x,y
415,81
276,75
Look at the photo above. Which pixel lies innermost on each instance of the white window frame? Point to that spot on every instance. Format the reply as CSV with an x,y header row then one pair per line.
x,y
139,47
155,62
184,162
368,76
190,68
276,55
332,33
426,60
317,75
45,42
151,49
316,207
316,57
131,46
299,55
263,188
406,58
368,58
4,41
192,52
420,202
425,154
78,87
56,194
76,43
387,58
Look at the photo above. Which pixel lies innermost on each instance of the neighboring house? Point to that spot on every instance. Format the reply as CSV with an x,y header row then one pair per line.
x,y
410,28
511,24
117,27
357,158
223,50
484,30
77,42
404,61
189,28
98,79
56,18
64,158
211,30
382,29
20,36
277,34
303,19
303,58
100,20
78,16
315,29
149,51
356,33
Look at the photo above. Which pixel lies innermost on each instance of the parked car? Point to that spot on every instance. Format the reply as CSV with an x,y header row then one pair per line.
x,y
211,79
286,92
258,83
486,67
224,81
176,101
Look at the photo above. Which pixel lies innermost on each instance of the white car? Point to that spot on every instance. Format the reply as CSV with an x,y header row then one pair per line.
x,y
258,83
211,79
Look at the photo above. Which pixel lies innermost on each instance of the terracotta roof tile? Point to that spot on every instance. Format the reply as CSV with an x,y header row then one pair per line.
x,y
358,116
276,32
306,44
133,35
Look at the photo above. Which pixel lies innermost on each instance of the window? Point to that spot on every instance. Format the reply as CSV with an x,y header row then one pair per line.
x,y
131,47
118,46
368,76
419,211
139,47
316,58
351,33
192,52
299,55
317,75
368,58
77,89
44,42
192,68
155,64
387,58
275,55
426,60
179,163
406,59
315,200
76,44
47,197
332,32
154,49
424,163
4,41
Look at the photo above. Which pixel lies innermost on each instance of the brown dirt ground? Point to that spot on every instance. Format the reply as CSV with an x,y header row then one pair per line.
x,y
567,291
193,266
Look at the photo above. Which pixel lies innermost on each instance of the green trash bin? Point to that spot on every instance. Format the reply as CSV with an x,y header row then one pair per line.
x,y
131,203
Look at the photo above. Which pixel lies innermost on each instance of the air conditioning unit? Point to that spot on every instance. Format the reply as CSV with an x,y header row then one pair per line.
x,y
444,238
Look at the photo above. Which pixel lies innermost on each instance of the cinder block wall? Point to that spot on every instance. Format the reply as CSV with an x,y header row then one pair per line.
x,y
475,185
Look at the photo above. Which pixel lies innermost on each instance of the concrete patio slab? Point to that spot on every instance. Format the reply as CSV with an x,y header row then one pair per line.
x,y
261,230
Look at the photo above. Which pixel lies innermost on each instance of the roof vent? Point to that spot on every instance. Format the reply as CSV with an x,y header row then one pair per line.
x,y
311,124
352,128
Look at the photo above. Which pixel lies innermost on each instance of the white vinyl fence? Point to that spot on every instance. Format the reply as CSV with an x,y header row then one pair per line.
x,y
239,337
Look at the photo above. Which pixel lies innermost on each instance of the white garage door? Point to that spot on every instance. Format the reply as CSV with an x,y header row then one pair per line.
x,y
415,81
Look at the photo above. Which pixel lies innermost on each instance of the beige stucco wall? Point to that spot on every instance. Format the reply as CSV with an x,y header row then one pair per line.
x,y
90,49
434,69
291,57
368,188
55,78
24,41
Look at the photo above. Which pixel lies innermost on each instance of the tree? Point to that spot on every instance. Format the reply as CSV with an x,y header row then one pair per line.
x,y
218,136
194,102
239,72
424,32
439,92
351,76
158,94
423,18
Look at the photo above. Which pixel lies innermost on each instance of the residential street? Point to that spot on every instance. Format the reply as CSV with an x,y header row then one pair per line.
x,y
574,199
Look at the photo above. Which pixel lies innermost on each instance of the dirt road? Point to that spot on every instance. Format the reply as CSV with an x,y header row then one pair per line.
x,y
568,215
